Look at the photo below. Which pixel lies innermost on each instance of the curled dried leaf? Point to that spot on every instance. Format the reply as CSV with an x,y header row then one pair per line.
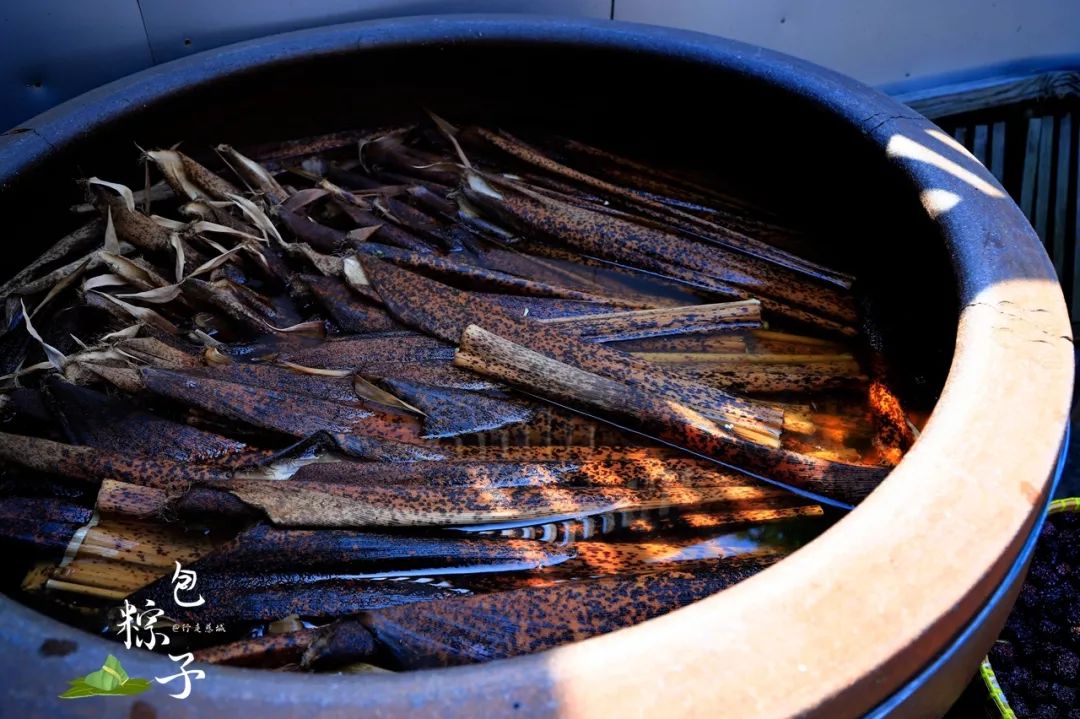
x,y
39,367
367,391
361,234
254,174
354,273
342,194
329,265
451,134
56,358
169,223
304,197
134,274
215,262
178,249
143,314
316,371
124,334
206,226
314,328
112,242
215,357
123,190
171,165
158,295
257,216
478,184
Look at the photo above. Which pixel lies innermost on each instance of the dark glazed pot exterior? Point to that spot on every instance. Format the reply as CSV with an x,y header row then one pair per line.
x,y
836,629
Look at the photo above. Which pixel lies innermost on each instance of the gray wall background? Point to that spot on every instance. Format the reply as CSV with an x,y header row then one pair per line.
x,y
51,50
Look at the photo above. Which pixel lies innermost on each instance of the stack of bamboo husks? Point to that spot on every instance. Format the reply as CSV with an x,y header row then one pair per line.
x,y
426,396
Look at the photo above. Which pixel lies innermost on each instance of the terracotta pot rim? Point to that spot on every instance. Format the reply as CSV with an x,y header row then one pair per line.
x,y
838,626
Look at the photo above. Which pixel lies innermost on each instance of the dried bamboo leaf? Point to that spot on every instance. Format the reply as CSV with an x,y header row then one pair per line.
x,y
767,373
257,216
56,357
314,328
651,524
106,280
121,555
400,348
121,377
369,392
317,371
369,555
255,174
44,525
158,295
451,134
303,198
641,556
361,234
618,470
205,226
178,249
143,314
157,192
354,273
168,293
112,242
32,369
123,334
215,262
169,164
123,190
169,223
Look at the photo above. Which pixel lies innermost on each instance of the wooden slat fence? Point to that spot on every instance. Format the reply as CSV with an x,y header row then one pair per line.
x,y
1025,131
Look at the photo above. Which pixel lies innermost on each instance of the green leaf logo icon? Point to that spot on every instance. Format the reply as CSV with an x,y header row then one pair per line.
x,y
110,680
